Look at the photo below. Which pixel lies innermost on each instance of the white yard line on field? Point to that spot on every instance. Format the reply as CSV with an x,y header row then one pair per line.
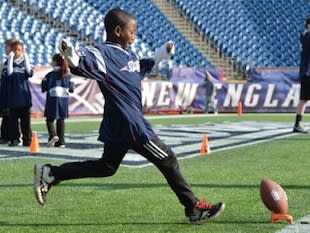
x,y
299,226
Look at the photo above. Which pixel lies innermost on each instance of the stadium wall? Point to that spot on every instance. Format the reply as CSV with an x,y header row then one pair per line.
x,y
269,90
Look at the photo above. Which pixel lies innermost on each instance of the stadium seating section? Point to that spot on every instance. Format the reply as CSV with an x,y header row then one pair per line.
x,y
254,33
85,18
41,40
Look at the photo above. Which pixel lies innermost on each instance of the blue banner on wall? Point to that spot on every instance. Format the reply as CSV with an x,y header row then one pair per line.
x,y
269,90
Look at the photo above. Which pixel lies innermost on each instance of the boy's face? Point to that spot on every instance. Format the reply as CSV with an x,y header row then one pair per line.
x,y
127,34
18,51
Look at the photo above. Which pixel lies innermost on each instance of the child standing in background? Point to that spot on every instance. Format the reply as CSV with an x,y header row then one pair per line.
x,y
19,95
4,95
57,83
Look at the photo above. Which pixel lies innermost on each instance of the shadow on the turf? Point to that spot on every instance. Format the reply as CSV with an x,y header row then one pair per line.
x,y
5,224
120,186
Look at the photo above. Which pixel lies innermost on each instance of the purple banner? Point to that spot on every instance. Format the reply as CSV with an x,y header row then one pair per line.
x,y
270,90
85,100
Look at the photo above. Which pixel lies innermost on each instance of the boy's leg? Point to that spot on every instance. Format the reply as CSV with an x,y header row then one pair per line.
x,y
107,165
198,211
45,176
164,159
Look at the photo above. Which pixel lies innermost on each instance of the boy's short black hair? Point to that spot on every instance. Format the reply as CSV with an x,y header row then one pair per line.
x,y
116,17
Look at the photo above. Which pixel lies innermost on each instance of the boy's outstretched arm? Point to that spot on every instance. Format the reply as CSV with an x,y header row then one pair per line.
x,y
86,62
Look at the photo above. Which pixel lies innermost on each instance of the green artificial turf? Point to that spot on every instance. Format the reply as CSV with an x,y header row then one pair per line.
x,y
139,200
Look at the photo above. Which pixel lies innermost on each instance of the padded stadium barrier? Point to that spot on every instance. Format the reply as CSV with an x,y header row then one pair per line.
x,y
268,90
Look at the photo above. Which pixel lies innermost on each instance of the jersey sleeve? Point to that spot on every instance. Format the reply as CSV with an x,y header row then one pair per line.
x,y
146,65
91,64
28,68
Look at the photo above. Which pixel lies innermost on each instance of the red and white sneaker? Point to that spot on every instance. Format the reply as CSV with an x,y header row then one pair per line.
x,y
204,212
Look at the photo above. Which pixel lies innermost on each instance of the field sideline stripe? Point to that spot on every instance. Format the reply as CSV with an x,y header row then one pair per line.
x,y
297,227
99,118
26,155
184,116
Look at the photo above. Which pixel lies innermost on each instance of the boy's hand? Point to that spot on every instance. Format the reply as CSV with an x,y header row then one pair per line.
x,y
64,46
164,52
67,50
171,47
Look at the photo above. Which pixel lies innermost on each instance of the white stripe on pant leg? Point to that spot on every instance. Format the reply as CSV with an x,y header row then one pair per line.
x,y
155,150
158,149
150,146
150,150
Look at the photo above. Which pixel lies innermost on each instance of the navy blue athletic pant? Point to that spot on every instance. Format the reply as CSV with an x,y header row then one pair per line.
x,y
155,151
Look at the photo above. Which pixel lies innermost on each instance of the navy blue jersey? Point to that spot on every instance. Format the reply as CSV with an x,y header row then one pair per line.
x,y
19,95
57,96
305,54
119,73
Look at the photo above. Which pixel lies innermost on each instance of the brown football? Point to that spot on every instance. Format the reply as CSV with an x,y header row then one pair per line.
x,y
273,196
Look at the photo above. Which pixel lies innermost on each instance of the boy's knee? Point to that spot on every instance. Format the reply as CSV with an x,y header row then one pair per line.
x,y
170,162
109,170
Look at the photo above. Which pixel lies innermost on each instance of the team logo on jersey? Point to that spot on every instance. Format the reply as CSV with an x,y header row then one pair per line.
x,y
59,92
185,140
132,66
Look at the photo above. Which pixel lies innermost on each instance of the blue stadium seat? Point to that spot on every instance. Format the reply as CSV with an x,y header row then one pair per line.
x,y
40,39
265,32
273,24
85,17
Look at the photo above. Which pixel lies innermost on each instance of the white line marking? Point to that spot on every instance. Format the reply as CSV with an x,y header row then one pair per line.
x,y
297,227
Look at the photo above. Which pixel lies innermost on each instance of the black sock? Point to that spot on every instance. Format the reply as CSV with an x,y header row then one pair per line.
x,y
298,119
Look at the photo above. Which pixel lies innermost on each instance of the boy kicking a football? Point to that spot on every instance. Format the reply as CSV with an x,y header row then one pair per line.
x,y
118,73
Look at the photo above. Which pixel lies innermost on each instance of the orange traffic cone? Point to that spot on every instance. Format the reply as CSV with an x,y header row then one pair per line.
x,y
204,147
34,146
239,109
